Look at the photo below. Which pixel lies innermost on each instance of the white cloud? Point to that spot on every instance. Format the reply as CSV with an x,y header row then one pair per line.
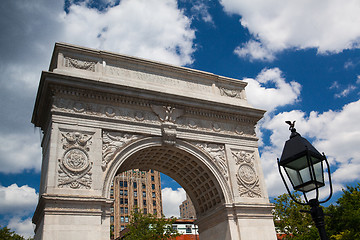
x,y
171,201
133,28
254,50
19,152
334,132
269,98
346,91
18,201
328,25
22,227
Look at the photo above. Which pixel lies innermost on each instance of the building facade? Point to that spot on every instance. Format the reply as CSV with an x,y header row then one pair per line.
x,y
187,210
132,190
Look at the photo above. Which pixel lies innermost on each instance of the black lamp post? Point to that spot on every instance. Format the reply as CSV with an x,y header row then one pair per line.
x,y
303,165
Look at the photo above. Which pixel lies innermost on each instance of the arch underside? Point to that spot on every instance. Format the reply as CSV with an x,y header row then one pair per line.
x,y
189,171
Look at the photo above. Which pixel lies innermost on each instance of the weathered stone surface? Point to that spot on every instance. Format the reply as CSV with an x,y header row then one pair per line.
x,y
103,113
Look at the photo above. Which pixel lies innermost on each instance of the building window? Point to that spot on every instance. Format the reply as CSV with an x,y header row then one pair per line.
x,y
135,193
143,186
188,229
153,186
152,171
135,185
152,178
153,195
121,201
145,210
126,201
135,202
154,203
126,219
112,228
122,219
144,203
126,210
125,183
121,210
155,211
112,209
122,227
125,192
121,192
144,194
121,183
111,219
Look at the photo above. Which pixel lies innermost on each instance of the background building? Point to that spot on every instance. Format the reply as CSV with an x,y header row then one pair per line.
x,y
134,189
187,210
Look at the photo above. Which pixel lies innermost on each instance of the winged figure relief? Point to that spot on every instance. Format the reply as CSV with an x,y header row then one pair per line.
x,y
167,113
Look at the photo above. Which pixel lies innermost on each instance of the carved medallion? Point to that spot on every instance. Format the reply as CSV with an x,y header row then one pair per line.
x,y
75,165
247,178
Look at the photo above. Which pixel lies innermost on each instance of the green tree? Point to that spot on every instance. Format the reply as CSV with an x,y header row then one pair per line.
x,y
291,221
149,227
7,234
344,220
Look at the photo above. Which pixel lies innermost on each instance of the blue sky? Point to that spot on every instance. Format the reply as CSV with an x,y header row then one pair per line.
x,y
301,60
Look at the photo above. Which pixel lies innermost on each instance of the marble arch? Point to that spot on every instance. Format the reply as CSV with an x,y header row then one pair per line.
x,y
103,113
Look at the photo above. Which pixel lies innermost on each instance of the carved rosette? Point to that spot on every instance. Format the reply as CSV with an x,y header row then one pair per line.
x,y
113,142
247,178
75,166
217,153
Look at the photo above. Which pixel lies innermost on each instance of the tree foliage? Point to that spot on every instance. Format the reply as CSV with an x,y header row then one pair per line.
x,y
291,221
342,220
149,227
7,234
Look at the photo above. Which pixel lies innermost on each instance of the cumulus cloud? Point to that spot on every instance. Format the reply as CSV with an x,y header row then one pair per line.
x,y
19,201
260,95
24,228
334,132
330,26
171,201
132,28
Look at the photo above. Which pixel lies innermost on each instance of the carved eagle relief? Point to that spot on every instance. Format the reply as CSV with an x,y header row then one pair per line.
x,y
167,113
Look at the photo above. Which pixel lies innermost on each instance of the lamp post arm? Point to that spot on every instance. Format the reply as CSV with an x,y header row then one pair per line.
x,y
287,188
331,189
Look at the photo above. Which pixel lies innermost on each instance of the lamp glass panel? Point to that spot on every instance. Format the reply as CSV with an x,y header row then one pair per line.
x,y
319,172
294,177
298,164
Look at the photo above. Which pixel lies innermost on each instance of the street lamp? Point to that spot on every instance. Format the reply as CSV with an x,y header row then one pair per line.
x,y
303,165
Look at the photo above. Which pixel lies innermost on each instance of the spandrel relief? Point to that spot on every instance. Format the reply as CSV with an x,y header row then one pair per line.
x,y
113,142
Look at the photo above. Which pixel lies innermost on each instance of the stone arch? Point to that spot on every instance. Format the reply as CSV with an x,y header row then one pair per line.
x,y
102,113
185,163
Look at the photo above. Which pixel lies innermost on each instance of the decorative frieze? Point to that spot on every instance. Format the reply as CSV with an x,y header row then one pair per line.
x,y
247,177
113,142
217,153
75,165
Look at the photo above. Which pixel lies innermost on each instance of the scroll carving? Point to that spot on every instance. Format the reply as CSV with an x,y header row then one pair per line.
x,y
247,178
75,166
217,153
113,142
